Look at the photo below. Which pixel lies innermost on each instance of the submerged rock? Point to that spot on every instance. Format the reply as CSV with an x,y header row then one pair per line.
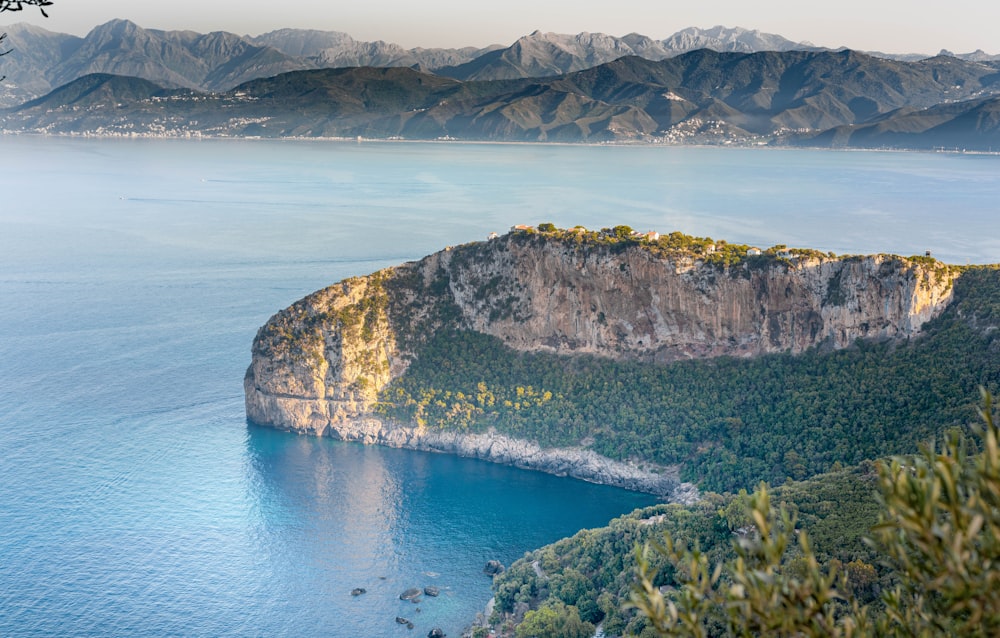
x,y
401,620
431,590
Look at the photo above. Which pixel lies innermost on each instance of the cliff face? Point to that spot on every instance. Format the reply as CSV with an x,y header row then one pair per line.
x,y
323,360
630,303
318,365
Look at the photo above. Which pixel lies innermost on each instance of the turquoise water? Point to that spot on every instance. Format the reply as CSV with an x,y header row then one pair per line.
x,y
134,497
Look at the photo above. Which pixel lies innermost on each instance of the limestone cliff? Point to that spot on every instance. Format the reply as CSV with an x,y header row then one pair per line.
x,y
318,366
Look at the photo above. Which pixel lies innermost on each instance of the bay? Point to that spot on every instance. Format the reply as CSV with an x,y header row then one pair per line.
x,y
134,497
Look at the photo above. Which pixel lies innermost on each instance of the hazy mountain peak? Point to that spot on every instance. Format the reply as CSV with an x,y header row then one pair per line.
x,y
25,29
303,42
976,56
733,39
636,37
721,31
118,25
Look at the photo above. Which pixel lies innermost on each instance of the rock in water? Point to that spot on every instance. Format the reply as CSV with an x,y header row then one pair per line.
x,y
431,590
410,594
357,591
401,620
436,633
493,567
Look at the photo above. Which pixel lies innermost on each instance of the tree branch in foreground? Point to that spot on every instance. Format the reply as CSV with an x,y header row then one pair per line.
x,y
19,5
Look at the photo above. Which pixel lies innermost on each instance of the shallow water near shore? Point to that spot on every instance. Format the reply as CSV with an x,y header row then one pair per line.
x,y
135,498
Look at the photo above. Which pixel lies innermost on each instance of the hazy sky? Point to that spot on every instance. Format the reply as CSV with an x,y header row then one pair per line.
x,y
887,25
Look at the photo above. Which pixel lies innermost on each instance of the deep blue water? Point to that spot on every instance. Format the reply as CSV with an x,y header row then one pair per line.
x,y
134,498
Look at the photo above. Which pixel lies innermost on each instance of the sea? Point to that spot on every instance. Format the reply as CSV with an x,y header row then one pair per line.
x,y
135,498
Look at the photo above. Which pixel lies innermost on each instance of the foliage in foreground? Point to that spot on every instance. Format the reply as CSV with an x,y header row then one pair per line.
x,y
939,532
592,572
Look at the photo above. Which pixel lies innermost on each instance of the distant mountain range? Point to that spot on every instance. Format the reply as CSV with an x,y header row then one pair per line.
x,y
125,80
550,54
817,98
41,60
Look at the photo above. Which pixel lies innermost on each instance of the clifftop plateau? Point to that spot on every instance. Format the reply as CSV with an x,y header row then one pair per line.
x,y
320,366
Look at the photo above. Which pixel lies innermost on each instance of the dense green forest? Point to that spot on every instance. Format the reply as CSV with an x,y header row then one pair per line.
x,y
902,547
729,423
592,573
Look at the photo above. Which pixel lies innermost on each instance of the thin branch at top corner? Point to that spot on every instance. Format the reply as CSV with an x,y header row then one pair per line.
x,y
19,5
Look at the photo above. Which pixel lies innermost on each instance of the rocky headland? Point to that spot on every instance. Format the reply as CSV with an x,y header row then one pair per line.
x,y
319,367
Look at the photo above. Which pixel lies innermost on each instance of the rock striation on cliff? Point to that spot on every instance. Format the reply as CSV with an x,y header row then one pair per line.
x,y
318,366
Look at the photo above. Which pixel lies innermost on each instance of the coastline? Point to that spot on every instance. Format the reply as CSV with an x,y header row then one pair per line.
x,y
197,136
573,462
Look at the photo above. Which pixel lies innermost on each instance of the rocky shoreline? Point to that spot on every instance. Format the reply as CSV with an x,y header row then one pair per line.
x,y
576,462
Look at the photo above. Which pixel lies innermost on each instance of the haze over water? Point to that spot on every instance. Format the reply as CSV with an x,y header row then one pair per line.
x,y
134,498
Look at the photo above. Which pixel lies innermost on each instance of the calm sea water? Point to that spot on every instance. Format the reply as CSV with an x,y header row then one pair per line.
x,y
135,499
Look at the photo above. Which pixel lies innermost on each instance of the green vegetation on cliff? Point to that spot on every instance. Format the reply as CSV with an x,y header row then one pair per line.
x,y
730,422
593,572
907,547
672,245
678,245
938,536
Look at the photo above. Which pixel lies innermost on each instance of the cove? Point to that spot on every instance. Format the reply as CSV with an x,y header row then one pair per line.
x,y
386,520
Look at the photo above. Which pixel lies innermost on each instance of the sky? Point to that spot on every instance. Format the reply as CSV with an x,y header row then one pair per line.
x,y
894,26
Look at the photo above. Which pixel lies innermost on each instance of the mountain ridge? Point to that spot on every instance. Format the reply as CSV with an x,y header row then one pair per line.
x,y
42,60
793,97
